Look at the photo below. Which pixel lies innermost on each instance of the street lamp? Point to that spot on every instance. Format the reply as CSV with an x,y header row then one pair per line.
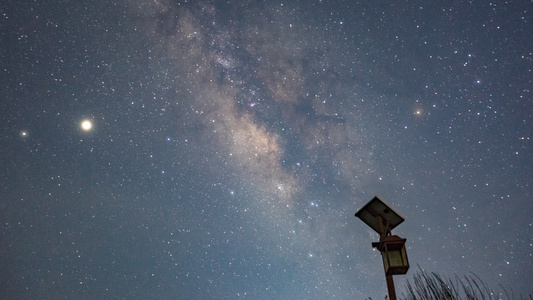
x,y
382,218
394,255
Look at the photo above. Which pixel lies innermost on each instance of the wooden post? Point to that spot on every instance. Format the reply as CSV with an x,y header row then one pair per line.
x,y
390,287
390,283
382,232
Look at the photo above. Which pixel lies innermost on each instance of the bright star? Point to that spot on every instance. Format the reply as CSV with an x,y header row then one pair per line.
x,y
24,134
86,125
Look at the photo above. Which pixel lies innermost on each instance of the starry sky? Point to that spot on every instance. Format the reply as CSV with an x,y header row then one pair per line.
x,y
204,149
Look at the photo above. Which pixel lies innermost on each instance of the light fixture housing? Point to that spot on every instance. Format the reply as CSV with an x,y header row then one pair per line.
x,y
394,255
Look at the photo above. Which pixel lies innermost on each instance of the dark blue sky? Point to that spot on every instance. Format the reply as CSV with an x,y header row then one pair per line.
x,y
232,143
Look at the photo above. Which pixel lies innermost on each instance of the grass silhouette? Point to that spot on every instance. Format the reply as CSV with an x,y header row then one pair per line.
x,y
431,286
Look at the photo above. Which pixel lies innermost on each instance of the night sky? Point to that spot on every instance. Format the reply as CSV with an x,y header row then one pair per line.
x,y
164,149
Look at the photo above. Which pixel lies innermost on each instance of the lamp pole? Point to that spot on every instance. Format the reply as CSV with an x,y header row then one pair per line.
x,y
388,278
390,287
382,218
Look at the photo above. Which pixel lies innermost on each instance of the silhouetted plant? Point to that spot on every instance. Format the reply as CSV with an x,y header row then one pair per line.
x,y
431,286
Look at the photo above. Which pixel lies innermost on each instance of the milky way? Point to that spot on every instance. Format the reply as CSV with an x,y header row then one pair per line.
x,y
275,110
